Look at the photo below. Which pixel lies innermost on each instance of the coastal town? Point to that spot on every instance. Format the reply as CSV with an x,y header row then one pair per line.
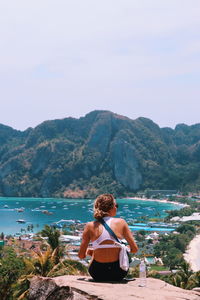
x,y
149,237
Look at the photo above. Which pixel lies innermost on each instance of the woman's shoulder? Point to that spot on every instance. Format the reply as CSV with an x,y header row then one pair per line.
x,y
92,224
119,221
95,224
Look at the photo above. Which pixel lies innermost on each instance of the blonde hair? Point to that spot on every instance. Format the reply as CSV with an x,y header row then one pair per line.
x,y
102,205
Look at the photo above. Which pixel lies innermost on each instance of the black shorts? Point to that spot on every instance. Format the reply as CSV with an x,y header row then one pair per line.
x,y
106,271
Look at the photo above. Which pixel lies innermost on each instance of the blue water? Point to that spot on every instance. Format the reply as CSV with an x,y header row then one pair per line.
x,y
147,228
75,209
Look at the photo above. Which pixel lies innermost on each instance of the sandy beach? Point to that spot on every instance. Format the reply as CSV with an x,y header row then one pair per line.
x,y
192,254
159,200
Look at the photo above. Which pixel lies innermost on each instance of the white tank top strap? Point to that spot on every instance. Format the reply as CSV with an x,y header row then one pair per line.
x,y
108,220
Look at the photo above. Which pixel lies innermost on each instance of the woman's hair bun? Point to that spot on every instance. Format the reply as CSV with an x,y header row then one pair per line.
x,y
102,205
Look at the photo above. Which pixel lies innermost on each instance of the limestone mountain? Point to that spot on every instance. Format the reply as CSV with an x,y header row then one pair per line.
x,y
101,152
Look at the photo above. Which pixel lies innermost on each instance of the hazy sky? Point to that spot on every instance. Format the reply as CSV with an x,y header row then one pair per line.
x,y
61,58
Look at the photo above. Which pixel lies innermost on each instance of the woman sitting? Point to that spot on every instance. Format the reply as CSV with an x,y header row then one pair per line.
x,y
105,251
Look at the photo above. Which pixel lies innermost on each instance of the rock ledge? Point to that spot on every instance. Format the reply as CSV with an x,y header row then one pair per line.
x,y
82,288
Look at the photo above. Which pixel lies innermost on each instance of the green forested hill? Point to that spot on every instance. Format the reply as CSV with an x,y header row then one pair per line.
x,y
101,152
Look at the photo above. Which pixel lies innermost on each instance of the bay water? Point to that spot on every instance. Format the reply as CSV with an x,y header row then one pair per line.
x,y
33,211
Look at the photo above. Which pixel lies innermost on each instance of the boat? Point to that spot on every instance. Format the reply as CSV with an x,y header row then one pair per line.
x,y
20,209
62,221
46,212
21,221
36,209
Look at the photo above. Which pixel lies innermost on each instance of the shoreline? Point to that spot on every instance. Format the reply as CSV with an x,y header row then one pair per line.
x,y
192,254
158,200
64,198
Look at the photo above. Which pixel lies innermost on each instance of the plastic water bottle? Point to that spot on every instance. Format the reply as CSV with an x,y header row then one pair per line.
x,y
142,270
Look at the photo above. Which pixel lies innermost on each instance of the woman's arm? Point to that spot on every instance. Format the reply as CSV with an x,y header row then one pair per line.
x,y
85,242
129,237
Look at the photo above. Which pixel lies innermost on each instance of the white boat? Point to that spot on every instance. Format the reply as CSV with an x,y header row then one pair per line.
x,y
20,209
36,209
21,221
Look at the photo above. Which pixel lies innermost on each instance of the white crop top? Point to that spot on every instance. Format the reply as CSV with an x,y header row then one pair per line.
x,y
105,236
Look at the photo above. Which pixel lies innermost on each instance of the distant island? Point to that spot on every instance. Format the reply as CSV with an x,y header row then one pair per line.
x,y
101,152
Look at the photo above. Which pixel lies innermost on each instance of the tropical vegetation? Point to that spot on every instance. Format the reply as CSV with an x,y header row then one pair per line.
x,y
171,249
16,271
101,152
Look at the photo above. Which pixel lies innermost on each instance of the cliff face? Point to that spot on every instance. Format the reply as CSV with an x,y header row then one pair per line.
x,y
125,163
82,288
101,152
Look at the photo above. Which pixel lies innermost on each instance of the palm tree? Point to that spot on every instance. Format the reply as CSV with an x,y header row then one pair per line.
x,y
194,281
44,264
39,264
182,277
68,267
47,264
21,287
53,236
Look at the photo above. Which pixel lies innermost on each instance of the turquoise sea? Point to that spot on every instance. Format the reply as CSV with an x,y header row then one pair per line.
x,y
69,209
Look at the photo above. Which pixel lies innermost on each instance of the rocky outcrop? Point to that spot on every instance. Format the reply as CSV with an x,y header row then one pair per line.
x,y
101,134
82,288
45,288
125,164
